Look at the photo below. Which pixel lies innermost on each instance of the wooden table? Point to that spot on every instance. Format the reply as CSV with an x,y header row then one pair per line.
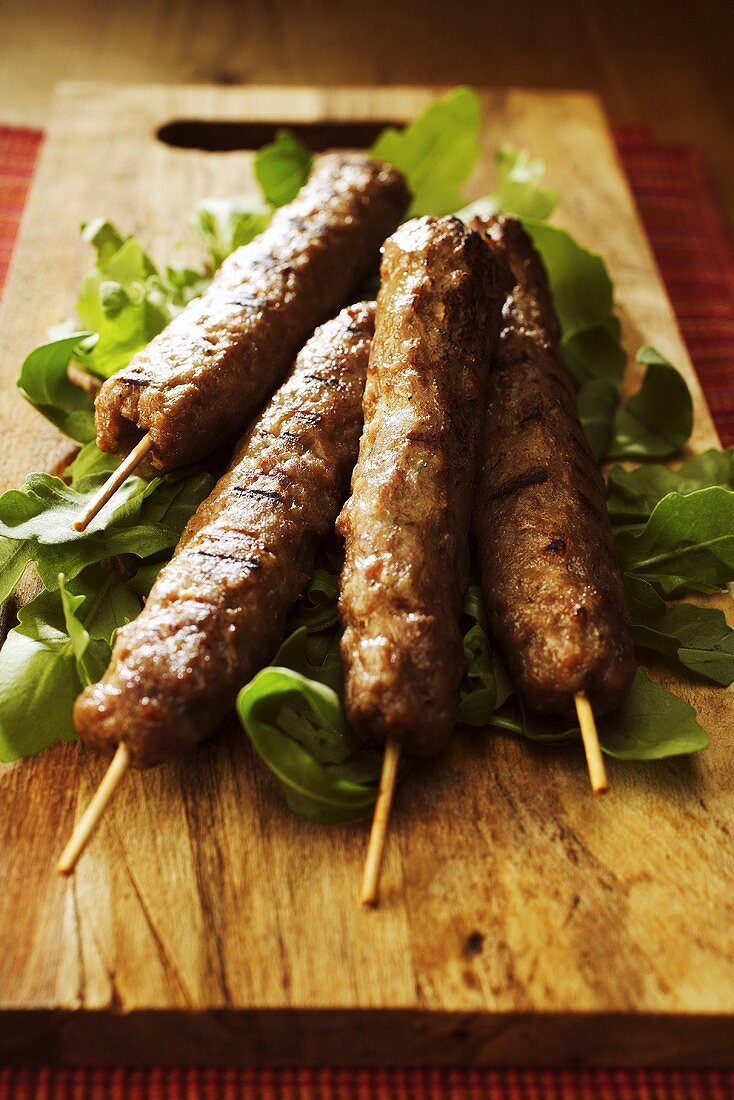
x,y
663,63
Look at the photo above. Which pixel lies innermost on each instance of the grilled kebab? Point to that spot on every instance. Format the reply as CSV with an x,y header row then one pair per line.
x,y
217,611
551,583
406,524
197,384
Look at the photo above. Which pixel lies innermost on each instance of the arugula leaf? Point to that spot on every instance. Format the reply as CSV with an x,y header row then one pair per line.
x,y
317,609
125,299
594,354
62,638
699,638
142,581
437,152
45,383
582,289
658,419
518,191
282,168
107,604
687,543
651,724
143,518
294,720
14,557
227,224
485,684
632,494
90,463
596,402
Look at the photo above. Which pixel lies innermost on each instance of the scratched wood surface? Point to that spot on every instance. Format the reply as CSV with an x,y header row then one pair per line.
x,y
522,921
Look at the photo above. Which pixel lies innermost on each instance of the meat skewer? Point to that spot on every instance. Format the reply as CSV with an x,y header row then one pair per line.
x,y
550,579
406,524
217,611
199,382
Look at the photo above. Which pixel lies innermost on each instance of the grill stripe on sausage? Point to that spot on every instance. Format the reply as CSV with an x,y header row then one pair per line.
x,y
549,575
197,384
217,611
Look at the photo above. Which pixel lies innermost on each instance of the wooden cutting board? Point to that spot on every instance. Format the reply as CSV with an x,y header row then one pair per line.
x,y
523,921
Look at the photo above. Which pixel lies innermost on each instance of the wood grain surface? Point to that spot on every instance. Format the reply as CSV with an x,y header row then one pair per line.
x,y
523,921
665,64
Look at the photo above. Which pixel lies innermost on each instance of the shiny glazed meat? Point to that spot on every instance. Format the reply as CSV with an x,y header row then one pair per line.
x,y
198,383
217,611
550,578
406,525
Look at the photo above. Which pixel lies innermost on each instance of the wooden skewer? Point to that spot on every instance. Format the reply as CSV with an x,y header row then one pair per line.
x,y
90,819
380,821
590,736
113,483
83,379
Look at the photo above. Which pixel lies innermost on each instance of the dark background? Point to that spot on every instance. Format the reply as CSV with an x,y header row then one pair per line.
x,y
667,64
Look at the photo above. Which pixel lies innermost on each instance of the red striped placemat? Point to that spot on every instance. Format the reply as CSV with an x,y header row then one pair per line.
x,y
687,233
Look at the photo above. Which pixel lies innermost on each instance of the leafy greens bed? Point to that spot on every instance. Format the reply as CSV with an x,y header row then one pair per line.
x,y
674,530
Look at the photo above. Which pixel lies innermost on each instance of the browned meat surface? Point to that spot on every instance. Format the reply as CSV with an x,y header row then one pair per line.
x,y
550,579
406,524
196,386
217,612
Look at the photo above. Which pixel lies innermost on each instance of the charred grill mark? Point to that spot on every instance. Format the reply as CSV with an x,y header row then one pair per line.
x,y
271,494
329,381
522,481
218,555
431,438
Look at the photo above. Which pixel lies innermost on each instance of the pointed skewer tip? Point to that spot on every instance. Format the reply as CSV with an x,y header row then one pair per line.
x,y
369,895
113,483
91,817
592,748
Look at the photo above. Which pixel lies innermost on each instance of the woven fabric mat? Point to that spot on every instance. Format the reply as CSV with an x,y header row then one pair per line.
x,y
685,227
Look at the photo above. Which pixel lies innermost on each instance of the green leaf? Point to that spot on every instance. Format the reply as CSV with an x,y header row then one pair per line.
x,y
145,578
45,383
14,557
90,463
651,724
699,638
107,604
104,237
437,152
227,224
632,495
318,608
282,168
143,519
658,419
296,724
594,354
687,543
596,402
59,636
582,289
126,300
518,191
485,684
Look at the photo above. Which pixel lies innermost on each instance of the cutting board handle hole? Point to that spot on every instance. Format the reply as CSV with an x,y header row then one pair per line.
x,y
212,136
